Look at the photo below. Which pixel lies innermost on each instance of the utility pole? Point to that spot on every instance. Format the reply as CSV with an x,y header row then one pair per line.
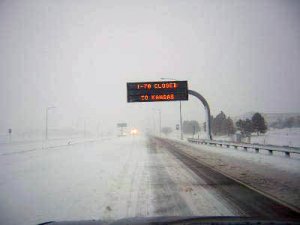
x,y
180,113
84,128
47,109
181,132
160,123
9,134
154,124
98,127
159,111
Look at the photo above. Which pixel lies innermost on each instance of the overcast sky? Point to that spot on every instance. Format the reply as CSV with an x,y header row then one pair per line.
x,y
78,55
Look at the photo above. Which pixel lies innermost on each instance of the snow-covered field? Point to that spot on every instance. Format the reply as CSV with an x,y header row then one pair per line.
x,y
283,137
22,147
83,181
19,138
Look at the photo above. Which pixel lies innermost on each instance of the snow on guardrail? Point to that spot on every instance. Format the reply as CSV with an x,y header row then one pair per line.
x,y
257,147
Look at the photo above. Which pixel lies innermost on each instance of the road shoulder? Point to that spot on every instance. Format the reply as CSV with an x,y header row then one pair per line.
x,y
276,176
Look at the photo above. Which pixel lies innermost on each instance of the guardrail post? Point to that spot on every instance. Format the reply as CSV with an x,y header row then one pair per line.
x,y
235,146
245,148
287,154
257,150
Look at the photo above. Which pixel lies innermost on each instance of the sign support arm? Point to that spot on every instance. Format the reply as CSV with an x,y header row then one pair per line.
x,y
207,110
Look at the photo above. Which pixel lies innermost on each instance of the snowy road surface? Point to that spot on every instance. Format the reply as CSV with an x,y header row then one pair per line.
x,y
108,179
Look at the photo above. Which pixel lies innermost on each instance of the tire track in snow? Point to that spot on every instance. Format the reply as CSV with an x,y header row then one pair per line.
x,y
166,200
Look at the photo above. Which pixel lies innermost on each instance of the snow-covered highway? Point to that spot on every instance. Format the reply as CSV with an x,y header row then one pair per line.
x,y
105,179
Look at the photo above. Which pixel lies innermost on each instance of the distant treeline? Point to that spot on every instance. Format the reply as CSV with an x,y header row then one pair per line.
x,y
190,127
224,125
256,124
286,123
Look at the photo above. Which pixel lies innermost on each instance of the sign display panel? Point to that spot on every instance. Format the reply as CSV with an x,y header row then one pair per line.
x,y
121,124
157,91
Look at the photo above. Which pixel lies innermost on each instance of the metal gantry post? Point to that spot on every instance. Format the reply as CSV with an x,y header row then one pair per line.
x,y
160,123
207,110
46,124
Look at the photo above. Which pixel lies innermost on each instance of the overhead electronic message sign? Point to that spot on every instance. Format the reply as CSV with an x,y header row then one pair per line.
x,y
157,91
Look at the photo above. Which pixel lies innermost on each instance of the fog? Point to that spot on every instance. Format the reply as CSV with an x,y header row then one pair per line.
x,y
78,55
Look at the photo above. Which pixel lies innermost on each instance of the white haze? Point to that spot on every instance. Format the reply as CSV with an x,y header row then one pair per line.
x,y
78,55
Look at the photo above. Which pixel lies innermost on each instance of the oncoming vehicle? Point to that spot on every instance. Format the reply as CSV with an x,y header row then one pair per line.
x,y
134,131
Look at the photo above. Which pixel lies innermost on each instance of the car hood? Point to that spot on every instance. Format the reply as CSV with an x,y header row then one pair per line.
x,y
174,220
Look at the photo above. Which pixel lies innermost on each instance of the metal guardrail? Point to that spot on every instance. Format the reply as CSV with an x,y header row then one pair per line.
x,y
257,147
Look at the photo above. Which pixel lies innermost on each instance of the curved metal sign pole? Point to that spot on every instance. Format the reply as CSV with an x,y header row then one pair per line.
x,y
204,102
